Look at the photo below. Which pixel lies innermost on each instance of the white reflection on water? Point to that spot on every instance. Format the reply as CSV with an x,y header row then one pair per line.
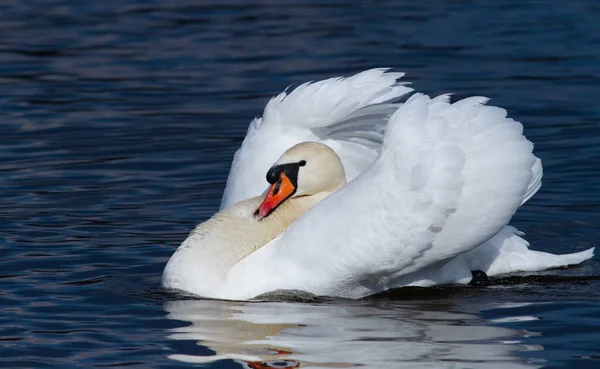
x,y
382,335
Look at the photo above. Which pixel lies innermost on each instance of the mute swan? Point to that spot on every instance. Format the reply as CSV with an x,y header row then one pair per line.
x,y
431,188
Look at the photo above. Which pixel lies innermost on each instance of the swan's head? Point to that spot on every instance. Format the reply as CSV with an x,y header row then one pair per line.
x,y
308,168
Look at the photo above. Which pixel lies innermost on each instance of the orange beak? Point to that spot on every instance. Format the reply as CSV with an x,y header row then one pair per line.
x,y
278,193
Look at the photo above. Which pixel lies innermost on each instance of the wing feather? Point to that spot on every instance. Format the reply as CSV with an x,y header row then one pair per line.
x,y
349,114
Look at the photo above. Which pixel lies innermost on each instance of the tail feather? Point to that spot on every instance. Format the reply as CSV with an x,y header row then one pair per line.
x,y
508,252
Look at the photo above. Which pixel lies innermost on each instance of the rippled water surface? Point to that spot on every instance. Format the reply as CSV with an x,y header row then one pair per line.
x,y
118,123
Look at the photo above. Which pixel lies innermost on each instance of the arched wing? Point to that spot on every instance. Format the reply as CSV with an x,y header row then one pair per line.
x,y
348,114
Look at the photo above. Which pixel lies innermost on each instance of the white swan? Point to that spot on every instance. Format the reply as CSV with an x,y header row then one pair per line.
x,y
428,196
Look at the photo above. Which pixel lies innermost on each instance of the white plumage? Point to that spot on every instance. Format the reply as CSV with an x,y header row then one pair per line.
x,y
348,114
432,187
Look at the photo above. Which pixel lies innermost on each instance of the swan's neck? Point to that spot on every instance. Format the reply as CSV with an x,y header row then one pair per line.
x,y
239,232
216,245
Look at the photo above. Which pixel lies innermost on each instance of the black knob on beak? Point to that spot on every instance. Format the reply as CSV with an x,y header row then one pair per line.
x,y
273,174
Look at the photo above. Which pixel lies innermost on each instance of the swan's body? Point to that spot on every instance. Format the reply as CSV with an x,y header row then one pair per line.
x,y
428,199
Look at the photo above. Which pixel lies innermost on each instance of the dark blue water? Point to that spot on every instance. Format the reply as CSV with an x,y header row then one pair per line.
x,y
118,122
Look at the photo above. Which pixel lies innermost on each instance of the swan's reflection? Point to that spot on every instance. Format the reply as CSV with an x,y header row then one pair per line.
x,y
289,335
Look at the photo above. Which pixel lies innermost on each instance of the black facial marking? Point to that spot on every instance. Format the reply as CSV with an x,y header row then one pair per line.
x,y
290,170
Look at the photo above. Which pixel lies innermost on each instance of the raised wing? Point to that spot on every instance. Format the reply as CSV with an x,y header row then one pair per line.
x,y
448,178
348,114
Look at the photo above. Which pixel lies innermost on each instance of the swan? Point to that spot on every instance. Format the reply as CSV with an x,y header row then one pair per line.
x,y
366,194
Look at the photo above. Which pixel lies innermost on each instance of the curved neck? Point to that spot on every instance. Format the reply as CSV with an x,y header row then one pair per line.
x,y
234,233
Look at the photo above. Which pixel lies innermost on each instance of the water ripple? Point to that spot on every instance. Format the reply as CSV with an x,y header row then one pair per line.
x,y
119,121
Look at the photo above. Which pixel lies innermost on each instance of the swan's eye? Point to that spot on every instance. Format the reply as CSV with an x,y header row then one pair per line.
x,y
302,163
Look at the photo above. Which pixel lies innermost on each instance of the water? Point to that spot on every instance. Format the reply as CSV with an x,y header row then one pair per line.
x,y
118,123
